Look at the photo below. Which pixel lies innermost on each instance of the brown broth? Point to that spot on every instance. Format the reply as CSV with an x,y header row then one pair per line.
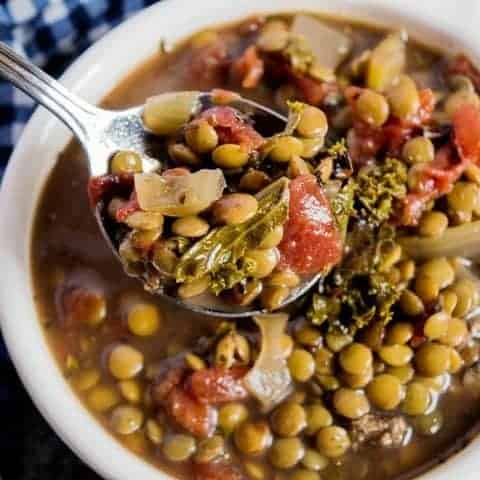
x,y
66,239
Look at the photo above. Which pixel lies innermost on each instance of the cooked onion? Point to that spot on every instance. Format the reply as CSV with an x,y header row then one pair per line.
x,y
179,196
269,380
164,114
329,45
462,241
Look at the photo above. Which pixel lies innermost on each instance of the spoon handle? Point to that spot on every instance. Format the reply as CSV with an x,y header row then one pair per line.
x,y
74,112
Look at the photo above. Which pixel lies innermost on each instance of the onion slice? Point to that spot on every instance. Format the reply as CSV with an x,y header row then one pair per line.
x,y
461,241
179,196
166,113
269,380
329,45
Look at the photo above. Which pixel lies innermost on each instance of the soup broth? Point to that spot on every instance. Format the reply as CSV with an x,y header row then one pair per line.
x,y
120,347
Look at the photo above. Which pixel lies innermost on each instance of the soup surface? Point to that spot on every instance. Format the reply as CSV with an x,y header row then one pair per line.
x,y
376,373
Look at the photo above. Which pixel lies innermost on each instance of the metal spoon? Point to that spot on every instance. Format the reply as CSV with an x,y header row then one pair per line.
x,y
102,133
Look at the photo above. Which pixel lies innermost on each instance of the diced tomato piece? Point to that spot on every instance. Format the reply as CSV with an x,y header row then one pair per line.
x,y
313,90
365,141
198,418
231,128
220,116
249,68
436,179
427,105
463,66
218,385
311,241
109,185
396,133
466,128
210,64
217,471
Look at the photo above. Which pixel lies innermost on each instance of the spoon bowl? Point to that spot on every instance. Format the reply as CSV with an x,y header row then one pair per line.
x,y
102,133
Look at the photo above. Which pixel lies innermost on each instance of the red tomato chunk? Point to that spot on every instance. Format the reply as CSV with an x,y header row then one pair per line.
x,y
311,242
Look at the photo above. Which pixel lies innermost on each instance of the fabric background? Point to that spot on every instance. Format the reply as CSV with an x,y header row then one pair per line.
x,y
51,33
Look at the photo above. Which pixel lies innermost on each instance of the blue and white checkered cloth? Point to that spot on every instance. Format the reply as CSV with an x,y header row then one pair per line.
x,y
51,33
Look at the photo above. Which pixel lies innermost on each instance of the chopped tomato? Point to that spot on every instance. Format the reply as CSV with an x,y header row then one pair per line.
x,y
466,128
439,176
218,385
436,179
427,105
249,68
103,185
365,141
231,128
463,66
311,242
313,90
217,471
169,392
198,418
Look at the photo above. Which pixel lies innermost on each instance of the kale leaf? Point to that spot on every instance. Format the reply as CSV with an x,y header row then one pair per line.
x,y
221,253
378,186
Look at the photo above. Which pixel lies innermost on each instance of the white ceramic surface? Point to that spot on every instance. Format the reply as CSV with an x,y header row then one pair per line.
x,y
453,25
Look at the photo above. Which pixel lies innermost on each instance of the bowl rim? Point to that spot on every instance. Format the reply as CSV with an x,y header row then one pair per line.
x,y
93,74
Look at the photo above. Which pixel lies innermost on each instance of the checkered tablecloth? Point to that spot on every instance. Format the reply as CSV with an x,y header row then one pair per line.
x,y
51,33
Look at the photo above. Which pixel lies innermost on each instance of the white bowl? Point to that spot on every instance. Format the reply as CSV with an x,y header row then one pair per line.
x,y
451,25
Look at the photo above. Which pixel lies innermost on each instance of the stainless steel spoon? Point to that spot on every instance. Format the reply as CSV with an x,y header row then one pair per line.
x,y
102,133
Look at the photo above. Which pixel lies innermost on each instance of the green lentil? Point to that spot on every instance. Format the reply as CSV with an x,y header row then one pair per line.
x,y
286,452
301,365
289,419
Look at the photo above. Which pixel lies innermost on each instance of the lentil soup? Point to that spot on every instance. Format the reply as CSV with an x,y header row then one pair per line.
x,y
377,372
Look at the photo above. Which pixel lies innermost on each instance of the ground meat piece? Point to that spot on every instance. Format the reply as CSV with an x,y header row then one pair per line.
x,y
379,431
217,471
168,378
